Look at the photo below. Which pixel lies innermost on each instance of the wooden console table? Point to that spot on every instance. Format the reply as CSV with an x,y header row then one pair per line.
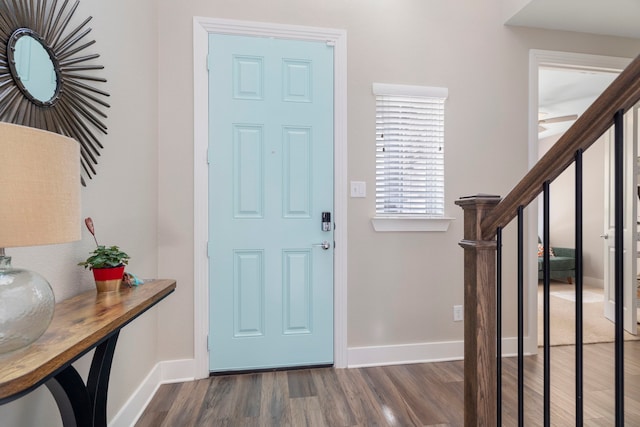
x,y
86,321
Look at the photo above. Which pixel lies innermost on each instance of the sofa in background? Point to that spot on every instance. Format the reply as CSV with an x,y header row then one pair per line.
x,y
562,263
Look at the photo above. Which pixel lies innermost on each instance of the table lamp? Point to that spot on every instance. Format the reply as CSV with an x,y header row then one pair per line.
x,y
39,205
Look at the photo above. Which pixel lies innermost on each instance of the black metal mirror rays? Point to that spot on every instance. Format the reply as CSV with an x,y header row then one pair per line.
x,y
77,106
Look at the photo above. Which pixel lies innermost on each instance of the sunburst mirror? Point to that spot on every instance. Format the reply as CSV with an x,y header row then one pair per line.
x,y
47,78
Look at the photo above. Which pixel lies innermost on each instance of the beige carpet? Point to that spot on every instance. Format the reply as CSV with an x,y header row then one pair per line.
x,y
596,328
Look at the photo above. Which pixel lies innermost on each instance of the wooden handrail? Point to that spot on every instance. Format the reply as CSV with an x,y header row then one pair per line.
x,y
622,94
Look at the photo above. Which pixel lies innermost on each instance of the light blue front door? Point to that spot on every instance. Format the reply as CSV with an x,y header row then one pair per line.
x,y
270,180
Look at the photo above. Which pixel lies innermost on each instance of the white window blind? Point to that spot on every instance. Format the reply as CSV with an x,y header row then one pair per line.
x,y
409,150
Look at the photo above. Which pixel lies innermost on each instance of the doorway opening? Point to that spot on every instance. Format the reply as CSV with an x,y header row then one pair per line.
x,y
562,86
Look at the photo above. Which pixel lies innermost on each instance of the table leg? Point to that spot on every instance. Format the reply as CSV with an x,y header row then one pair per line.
x,y
72,398
98,381
80,405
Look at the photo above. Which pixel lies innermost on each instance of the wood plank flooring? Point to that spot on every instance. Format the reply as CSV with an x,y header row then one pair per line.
x,y
429,394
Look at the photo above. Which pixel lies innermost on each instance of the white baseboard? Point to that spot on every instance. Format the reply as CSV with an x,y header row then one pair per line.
x,y
166,372
360,357
405,353
510,346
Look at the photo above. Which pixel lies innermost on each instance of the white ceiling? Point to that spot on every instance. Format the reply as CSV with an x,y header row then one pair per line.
x,y
608,17
564,92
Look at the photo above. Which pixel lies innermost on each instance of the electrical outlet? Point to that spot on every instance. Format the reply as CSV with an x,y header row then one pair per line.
x,y
458,314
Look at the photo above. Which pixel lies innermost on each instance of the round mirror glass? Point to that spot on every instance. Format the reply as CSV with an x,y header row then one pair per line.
x,y
35,68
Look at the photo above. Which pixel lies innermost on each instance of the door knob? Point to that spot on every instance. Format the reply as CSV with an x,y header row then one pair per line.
x,y
324,245
604,236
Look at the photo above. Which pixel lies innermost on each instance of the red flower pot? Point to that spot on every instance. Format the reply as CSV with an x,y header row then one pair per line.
x,y
108,279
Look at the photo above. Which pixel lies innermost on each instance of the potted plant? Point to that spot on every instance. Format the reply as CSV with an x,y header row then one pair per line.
x,y
106,262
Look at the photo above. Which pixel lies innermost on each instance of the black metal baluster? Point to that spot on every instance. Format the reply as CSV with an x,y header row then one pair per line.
x,y
520,316
499,326
578,291
619,263
546,267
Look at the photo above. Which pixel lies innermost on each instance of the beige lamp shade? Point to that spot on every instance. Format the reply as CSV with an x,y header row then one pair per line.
x,y
39,187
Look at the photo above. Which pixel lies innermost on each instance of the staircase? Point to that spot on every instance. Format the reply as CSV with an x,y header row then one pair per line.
x,y
485,217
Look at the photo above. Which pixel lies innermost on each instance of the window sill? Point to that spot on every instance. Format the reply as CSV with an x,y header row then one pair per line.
x,y
382,224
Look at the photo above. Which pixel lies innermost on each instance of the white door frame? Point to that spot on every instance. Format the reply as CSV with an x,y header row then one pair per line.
x,y
630,232
539,58
202,27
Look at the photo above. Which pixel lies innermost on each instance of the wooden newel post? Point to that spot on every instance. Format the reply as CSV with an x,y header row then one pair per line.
x,y
479,313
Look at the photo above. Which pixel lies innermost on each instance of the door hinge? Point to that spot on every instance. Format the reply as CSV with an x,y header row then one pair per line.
x,y
208,159
208,348
208,62
208,255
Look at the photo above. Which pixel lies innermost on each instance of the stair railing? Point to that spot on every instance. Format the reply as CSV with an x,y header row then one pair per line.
x,y
484,218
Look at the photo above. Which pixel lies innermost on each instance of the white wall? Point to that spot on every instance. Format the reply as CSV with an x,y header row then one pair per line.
x,y
512,7
122,199
401,286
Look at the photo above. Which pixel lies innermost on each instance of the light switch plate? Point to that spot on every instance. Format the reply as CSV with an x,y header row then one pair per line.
x,y
358,189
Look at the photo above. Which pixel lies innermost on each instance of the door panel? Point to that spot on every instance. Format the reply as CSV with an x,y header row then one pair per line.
x,y
248,176
297,302
297,173
270,179
248,294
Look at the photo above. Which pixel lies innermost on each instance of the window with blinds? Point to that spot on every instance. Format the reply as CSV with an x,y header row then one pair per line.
x,y
409,150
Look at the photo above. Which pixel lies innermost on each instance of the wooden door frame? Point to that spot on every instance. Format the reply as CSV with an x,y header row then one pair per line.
x,y
538,58
202,27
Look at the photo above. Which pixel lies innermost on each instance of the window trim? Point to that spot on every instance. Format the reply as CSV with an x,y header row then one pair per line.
x,y
410,222
408,90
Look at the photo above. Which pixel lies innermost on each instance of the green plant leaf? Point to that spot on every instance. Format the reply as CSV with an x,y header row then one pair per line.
x,y
106,257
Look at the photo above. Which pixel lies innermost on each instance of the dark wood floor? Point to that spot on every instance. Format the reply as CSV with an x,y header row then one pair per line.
x,y
428,394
